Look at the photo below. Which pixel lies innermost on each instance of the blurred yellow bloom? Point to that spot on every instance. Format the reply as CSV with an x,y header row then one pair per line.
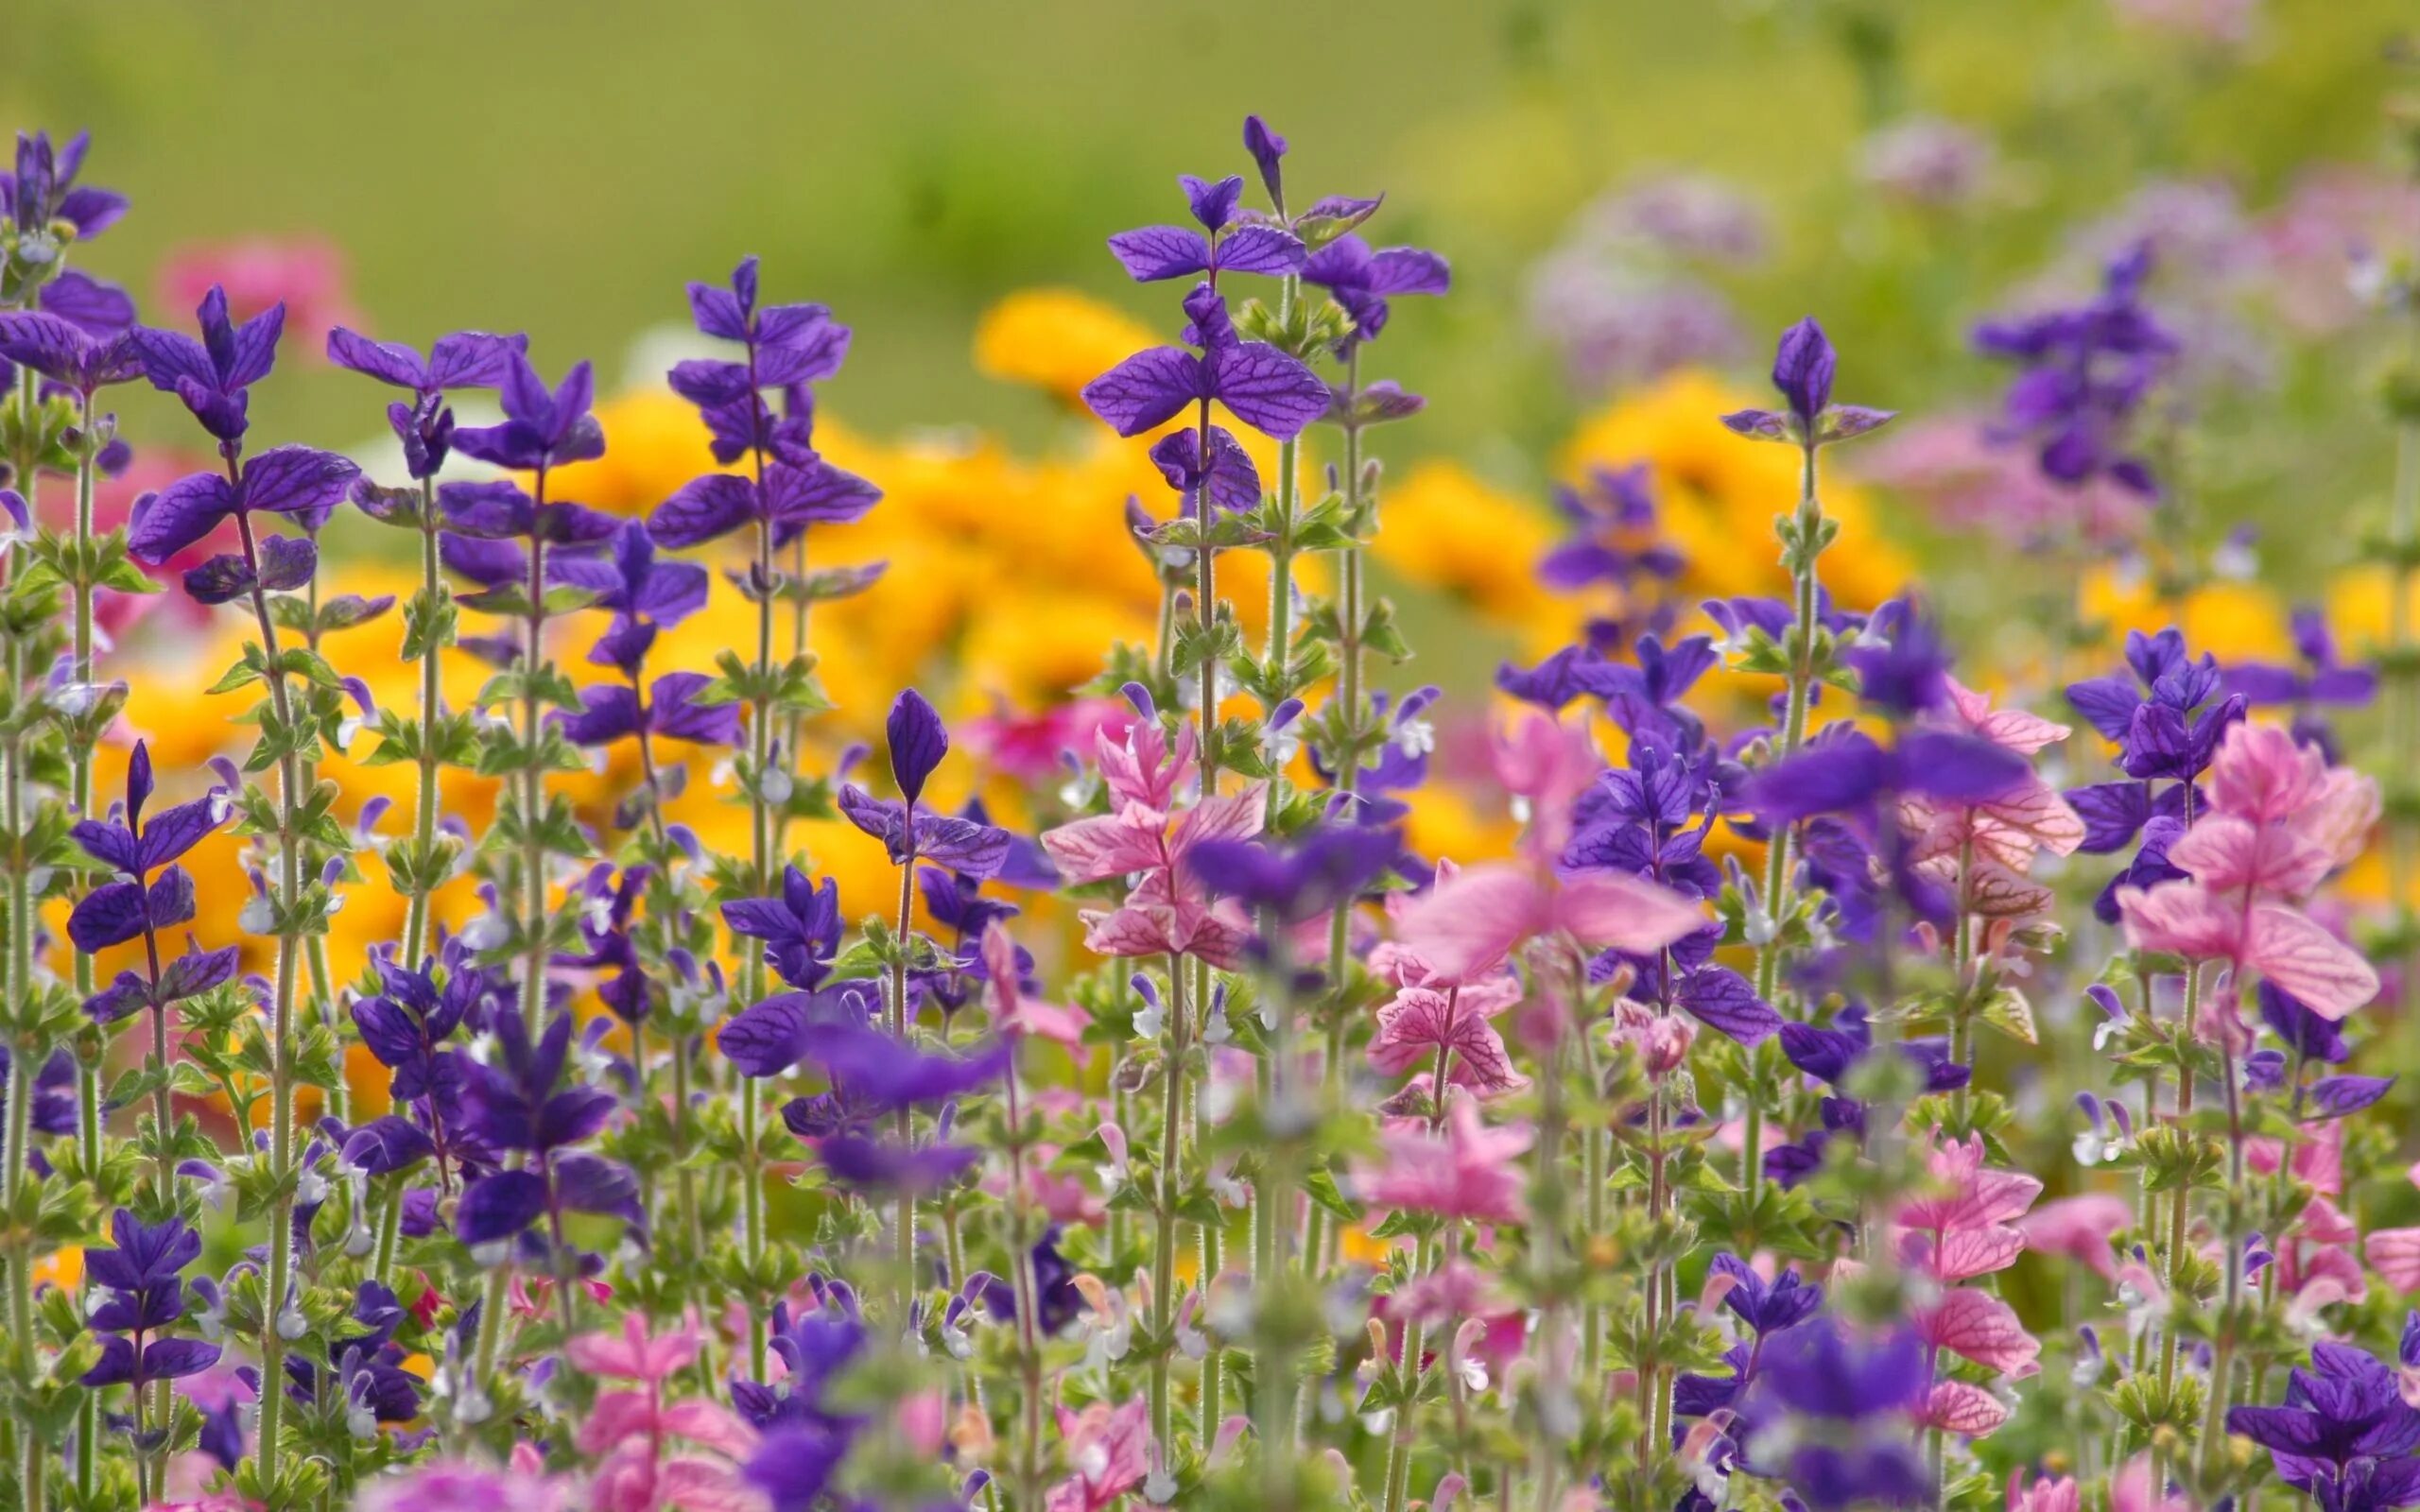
x,y
1717,495
63,1267
1446,528
654,442
1056,339
2360,611
2233,620
1444,822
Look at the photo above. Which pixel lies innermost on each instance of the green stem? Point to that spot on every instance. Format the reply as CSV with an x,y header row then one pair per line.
x,y
1172,1042
280,1238
419,908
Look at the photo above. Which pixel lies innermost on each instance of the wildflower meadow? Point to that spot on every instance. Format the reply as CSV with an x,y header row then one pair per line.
x,y
1834,928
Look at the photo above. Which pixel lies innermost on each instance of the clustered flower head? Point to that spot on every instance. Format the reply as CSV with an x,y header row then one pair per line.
x,y
1812,1075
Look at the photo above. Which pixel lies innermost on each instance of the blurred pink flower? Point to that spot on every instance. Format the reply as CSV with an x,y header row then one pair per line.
x,y
2219,22
1027,747
2338,222
1110,1451
2078,1228
449,1485
308,273
2044,1495
1466,1171
1952,467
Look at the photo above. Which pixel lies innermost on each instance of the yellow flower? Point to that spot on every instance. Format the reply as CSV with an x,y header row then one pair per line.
x,y
654,442
2233,620
1444,822
1446,528
1056,339
1717,495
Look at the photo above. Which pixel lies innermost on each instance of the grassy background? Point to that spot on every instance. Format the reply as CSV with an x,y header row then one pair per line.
x,y
562,169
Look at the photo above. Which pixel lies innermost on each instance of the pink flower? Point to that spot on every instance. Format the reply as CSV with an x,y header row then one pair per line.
x,y
1548,765
2045,1495
2281,819
1110,1451
628,1428
1662,1041
1966,1229
1028,746
1015,1013
1960,476
1165,913
2135,1490
1467,1173
631,1354
2078,1228
1421,1023
452,1485
1469,923
1963,1408
1982,851
306,274
1974,1324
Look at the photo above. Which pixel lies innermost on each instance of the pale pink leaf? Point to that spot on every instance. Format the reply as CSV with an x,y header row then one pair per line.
x,y
1963,1408
1981,1328
2308,962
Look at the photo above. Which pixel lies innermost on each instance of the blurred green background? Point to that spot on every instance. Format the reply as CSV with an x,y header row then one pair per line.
x,y
562,169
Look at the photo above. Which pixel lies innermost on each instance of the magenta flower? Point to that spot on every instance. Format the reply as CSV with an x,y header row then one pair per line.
x,y
1464,1171
1421,1024
1470,923
1109,1449
2280,821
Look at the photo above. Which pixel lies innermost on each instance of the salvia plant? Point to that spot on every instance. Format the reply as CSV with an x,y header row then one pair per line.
x,y
1170,1128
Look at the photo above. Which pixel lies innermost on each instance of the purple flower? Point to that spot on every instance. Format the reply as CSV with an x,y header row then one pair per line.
x,y
2085,373
214,376
2343,1434
124,909
1363,280
612,711
1767,1307
917,742
1319,869
814,1346
289,480
789,347
790,499
54,1109
768,1038
1272,392
2305,1032
466,359
141,1282
1266,148
519,1104
2163,721
44,189
542,428
887,1076
611,898
1803,365
66,352
1228,474
1849,772
1157,252
645,593
800,929
968,846
878,1167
